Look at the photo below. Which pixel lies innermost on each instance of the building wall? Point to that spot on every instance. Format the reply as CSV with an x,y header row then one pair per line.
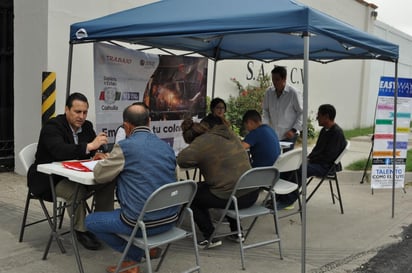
x,y
41,44
336,83
30,58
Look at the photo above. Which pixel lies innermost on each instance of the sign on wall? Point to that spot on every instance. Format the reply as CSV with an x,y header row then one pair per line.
x,y
174,87
382,162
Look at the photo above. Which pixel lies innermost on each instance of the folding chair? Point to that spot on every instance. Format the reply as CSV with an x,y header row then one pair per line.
x,y
179,193
26,157
289,162
253,179
331,175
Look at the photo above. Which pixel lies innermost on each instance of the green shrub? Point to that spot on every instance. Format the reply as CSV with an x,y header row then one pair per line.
x,y
358,132
249,97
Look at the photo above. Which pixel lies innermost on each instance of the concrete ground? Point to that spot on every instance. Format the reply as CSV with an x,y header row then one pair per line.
x,y
335,242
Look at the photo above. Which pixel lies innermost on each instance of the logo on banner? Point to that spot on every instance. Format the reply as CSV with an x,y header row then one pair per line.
x,y
148,64
110,95
118,60
387,87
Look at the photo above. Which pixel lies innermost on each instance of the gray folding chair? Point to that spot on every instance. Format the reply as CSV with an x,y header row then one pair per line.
x,y
27,157
331,176
289,161
253,179
179,193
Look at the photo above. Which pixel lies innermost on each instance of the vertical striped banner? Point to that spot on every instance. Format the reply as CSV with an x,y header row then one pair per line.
x,y
389,158
48,96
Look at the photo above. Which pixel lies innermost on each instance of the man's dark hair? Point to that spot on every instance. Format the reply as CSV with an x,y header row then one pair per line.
x,y
75,96
251,115
281,71
327,109
139,117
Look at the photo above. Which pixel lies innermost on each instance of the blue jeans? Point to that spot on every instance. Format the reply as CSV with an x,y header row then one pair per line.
x,y
106,224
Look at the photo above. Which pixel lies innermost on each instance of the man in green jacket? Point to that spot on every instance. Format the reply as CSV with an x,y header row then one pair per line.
x,y
221,158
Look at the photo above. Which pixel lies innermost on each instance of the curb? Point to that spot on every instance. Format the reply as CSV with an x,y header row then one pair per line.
x,y
355,176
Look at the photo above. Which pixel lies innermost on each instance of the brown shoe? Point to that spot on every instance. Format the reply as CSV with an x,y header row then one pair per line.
x,y
112,268
155,252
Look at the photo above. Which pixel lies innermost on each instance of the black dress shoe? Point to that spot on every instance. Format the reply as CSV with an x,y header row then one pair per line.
x,y
88,240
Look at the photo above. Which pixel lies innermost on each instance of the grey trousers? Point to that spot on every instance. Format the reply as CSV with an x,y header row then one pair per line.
x,y
104,198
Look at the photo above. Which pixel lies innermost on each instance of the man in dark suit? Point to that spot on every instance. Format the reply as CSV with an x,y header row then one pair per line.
x,y
70,136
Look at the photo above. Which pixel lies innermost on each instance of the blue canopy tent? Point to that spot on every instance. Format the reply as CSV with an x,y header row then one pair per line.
x,y
266,30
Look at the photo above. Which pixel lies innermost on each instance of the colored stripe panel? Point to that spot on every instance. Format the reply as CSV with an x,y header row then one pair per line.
x,y
384,121
383,136
385,153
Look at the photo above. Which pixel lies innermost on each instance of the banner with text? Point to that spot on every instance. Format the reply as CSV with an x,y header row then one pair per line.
x,y
382,162
174,87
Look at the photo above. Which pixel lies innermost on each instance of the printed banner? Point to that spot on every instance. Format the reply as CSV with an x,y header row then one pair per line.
x,y
382,160
174,87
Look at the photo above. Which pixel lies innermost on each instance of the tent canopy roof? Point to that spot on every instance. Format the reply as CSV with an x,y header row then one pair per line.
x,y
266,30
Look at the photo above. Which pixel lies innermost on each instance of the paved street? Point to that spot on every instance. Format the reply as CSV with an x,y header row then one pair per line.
x,y
336,243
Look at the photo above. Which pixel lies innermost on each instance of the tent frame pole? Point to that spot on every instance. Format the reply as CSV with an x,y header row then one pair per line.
x,y
69,70
304,144
395,121
214,78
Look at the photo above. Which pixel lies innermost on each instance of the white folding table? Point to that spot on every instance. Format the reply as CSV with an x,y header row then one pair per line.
x,y
80,178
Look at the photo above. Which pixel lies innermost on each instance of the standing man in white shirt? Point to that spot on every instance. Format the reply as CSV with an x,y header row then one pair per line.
x,y
282,109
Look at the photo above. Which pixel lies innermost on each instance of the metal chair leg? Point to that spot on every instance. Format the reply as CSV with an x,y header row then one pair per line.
x,y
61,211
315,189
332,194
339,196
53,234
23,222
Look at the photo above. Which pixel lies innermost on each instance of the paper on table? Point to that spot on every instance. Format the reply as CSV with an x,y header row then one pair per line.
x,y
90,164
80,165
285,144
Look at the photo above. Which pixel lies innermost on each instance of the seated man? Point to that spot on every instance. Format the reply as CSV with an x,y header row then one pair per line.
x,y
140,164
331,142
221,159
261,140
66,137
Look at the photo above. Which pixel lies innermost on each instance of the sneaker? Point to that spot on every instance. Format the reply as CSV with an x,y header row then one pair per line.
x,y
284,206
289,207
204,244
112,268
235,238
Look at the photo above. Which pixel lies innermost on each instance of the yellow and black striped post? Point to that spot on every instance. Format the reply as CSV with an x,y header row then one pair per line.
x,y
48,96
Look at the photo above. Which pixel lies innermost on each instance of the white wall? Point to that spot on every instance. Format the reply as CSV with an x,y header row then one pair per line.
x,y
41,33
379,69
30,59
41,44
341,83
